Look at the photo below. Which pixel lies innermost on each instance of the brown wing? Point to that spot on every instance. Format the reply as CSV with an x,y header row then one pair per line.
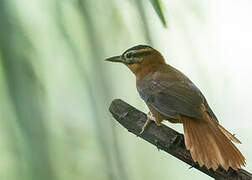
x,y
173,99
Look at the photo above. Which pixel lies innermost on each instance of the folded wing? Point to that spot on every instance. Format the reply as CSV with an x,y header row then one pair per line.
x,y
172,99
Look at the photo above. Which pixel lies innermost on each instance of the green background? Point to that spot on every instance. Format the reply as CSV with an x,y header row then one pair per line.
x,y
55,88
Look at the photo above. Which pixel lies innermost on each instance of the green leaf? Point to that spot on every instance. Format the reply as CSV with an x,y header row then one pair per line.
x,y
157,5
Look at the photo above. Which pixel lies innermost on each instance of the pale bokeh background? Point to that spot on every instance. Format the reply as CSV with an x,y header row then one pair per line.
x,y
56,87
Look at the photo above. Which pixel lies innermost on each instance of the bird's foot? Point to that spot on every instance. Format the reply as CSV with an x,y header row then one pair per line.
x,y
158,123
150,118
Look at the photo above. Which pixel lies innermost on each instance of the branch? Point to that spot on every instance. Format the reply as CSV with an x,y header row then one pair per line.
x,y
166,139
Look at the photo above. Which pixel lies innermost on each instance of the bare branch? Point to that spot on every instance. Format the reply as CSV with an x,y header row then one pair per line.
x,y
167,139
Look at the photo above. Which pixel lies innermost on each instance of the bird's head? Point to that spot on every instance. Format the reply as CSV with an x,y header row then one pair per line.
x,y
139,57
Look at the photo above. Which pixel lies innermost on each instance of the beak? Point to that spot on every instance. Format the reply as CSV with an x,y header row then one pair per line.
x,y
115,59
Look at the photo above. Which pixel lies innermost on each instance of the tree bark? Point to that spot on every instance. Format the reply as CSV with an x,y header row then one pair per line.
x,y
166,139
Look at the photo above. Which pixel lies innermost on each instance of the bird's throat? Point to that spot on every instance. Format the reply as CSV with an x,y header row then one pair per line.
x,y
144,70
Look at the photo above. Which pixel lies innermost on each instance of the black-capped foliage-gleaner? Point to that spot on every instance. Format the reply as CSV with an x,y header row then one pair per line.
x,y
171,96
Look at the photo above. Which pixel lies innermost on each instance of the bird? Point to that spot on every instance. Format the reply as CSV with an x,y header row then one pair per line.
x,y
171,95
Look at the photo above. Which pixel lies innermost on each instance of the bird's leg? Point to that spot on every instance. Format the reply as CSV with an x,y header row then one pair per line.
x,y
157,121
150,118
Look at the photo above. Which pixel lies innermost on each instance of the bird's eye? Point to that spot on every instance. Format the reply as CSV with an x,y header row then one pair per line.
x,y
129,55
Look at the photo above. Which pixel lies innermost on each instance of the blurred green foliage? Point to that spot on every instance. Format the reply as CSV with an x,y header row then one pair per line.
x,y
42,67
159,10
55,89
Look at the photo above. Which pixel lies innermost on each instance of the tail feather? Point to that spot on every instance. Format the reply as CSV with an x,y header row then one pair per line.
x,y
209,145
228,134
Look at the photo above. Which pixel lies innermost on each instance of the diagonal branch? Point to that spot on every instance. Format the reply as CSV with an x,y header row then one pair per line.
x,y
166,139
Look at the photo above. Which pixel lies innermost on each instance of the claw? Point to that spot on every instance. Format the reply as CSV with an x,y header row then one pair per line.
x,y
148,120
145,125
141,131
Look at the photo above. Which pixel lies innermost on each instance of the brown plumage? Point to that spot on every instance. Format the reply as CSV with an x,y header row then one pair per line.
x,y
171,96
208,144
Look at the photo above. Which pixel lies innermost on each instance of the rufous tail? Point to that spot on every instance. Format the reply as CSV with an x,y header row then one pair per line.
x,y
210,144
229,135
